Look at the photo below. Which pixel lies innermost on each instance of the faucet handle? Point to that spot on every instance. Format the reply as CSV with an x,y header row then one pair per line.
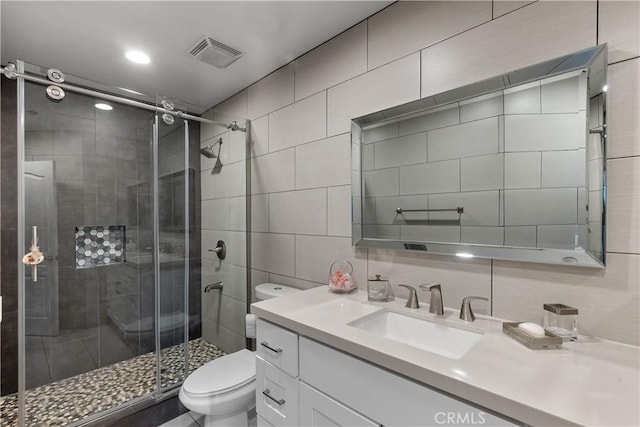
x,y
412,302
466,313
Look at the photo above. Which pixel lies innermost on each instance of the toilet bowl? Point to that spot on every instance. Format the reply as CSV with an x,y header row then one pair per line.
x,y
224,389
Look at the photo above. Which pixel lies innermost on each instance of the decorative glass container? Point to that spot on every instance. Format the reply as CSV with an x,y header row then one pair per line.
x,y
341,277
561,320
378,289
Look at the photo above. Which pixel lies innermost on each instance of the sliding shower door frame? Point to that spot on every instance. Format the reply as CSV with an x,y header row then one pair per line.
x,y
21,246
159,393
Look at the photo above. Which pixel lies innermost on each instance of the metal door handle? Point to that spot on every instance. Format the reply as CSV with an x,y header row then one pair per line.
x,y
267,346
267,393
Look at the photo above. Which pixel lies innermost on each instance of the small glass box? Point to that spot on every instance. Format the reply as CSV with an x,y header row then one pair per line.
x,y
378,289
561,320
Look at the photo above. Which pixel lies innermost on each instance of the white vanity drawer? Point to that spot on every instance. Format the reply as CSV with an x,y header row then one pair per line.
x,y
278,346
364,386
319,410
276,395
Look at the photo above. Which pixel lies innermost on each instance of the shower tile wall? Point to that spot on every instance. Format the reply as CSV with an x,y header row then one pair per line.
x,y
223,218
417,49
9,238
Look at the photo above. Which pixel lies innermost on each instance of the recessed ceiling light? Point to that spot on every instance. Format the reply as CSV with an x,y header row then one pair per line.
x,y
137,57
105,107
605,88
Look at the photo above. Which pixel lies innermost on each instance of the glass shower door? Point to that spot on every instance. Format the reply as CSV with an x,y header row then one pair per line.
x,y
89,319
175,178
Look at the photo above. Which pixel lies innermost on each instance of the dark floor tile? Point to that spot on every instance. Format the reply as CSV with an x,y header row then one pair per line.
x,y
108,347
9,357
36,369
152,416
69,359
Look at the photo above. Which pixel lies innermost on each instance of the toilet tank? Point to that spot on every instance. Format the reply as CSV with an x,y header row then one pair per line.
x,y
271,290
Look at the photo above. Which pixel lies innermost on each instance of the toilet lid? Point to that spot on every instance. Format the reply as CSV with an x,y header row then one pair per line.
x,y
221,375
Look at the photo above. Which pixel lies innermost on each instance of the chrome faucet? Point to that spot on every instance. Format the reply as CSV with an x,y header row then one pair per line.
x,y
213,287
412,302
435,305
466,313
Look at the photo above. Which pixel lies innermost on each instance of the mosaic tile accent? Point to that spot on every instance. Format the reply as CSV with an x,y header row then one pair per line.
x,y
70,400
100,245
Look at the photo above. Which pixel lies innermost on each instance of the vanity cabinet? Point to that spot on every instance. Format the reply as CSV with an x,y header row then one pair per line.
x,y
381,395
319,410
277,381
333,388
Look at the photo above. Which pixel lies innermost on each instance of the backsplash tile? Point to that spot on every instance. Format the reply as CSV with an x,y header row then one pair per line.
x,y
607,299
458,279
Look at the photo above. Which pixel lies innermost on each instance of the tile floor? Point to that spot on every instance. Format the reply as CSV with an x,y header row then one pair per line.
x,y
73,352
189,419
192,419
63,402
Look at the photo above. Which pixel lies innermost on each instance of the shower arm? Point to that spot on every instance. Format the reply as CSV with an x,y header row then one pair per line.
x,y
11,72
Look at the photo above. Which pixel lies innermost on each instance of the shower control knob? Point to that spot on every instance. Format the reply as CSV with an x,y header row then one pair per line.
x,y
220,249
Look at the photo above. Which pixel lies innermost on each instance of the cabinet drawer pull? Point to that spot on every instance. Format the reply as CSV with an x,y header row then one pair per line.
x,y
267,346
268,394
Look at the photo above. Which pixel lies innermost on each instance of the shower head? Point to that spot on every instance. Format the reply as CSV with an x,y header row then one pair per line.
x,y
234,127
209,152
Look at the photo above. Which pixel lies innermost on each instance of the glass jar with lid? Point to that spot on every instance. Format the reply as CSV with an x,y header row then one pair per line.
x,y
378,289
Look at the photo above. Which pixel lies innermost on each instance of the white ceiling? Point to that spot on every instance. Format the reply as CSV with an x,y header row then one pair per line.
x,y
89,38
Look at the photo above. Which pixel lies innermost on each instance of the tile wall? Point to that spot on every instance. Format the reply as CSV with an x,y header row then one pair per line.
x,y
300,182
223,209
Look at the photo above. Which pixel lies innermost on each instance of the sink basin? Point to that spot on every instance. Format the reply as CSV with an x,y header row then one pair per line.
x,y
426,335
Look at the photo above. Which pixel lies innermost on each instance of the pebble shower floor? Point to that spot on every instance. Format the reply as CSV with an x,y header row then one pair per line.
x,y
70,400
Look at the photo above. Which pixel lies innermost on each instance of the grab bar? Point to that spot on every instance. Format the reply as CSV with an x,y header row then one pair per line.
x,y
459,210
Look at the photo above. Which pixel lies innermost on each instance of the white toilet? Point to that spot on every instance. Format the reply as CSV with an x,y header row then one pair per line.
x,y
224,389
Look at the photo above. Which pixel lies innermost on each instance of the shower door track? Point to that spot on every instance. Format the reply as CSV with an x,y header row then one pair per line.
x,y
12,73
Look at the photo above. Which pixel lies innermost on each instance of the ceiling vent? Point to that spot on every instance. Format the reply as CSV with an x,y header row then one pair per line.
x,y
213,52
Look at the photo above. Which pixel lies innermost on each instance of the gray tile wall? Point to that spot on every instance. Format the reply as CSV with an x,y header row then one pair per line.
x,y
223,211
414,49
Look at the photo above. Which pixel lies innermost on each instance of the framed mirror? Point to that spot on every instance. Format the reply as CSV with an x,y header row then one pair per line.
x,y
513,167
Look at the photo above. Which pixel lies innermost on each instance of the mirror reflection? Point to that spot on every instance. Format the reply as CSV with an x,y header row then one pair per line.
x,y
520,167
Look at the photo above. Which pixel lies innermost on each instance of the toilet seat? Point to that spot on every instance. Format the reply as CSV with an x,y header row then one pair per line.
x,y
222,375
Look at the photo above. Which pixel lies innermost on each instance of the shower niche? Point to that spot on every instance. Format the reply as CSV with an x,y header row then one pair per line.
x,y
512,167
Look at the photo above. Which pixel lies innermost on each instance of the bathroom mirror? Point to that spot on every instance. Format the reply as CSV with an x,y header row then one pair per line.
x,y
512,167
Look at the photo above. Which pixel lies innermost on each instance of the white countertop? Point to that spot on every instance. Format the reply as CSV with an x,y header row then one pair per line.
x,y
589,382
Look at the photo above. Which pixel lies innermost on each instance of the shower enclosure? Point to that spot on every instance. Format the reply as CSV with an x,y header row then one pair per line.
x,y
107,211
